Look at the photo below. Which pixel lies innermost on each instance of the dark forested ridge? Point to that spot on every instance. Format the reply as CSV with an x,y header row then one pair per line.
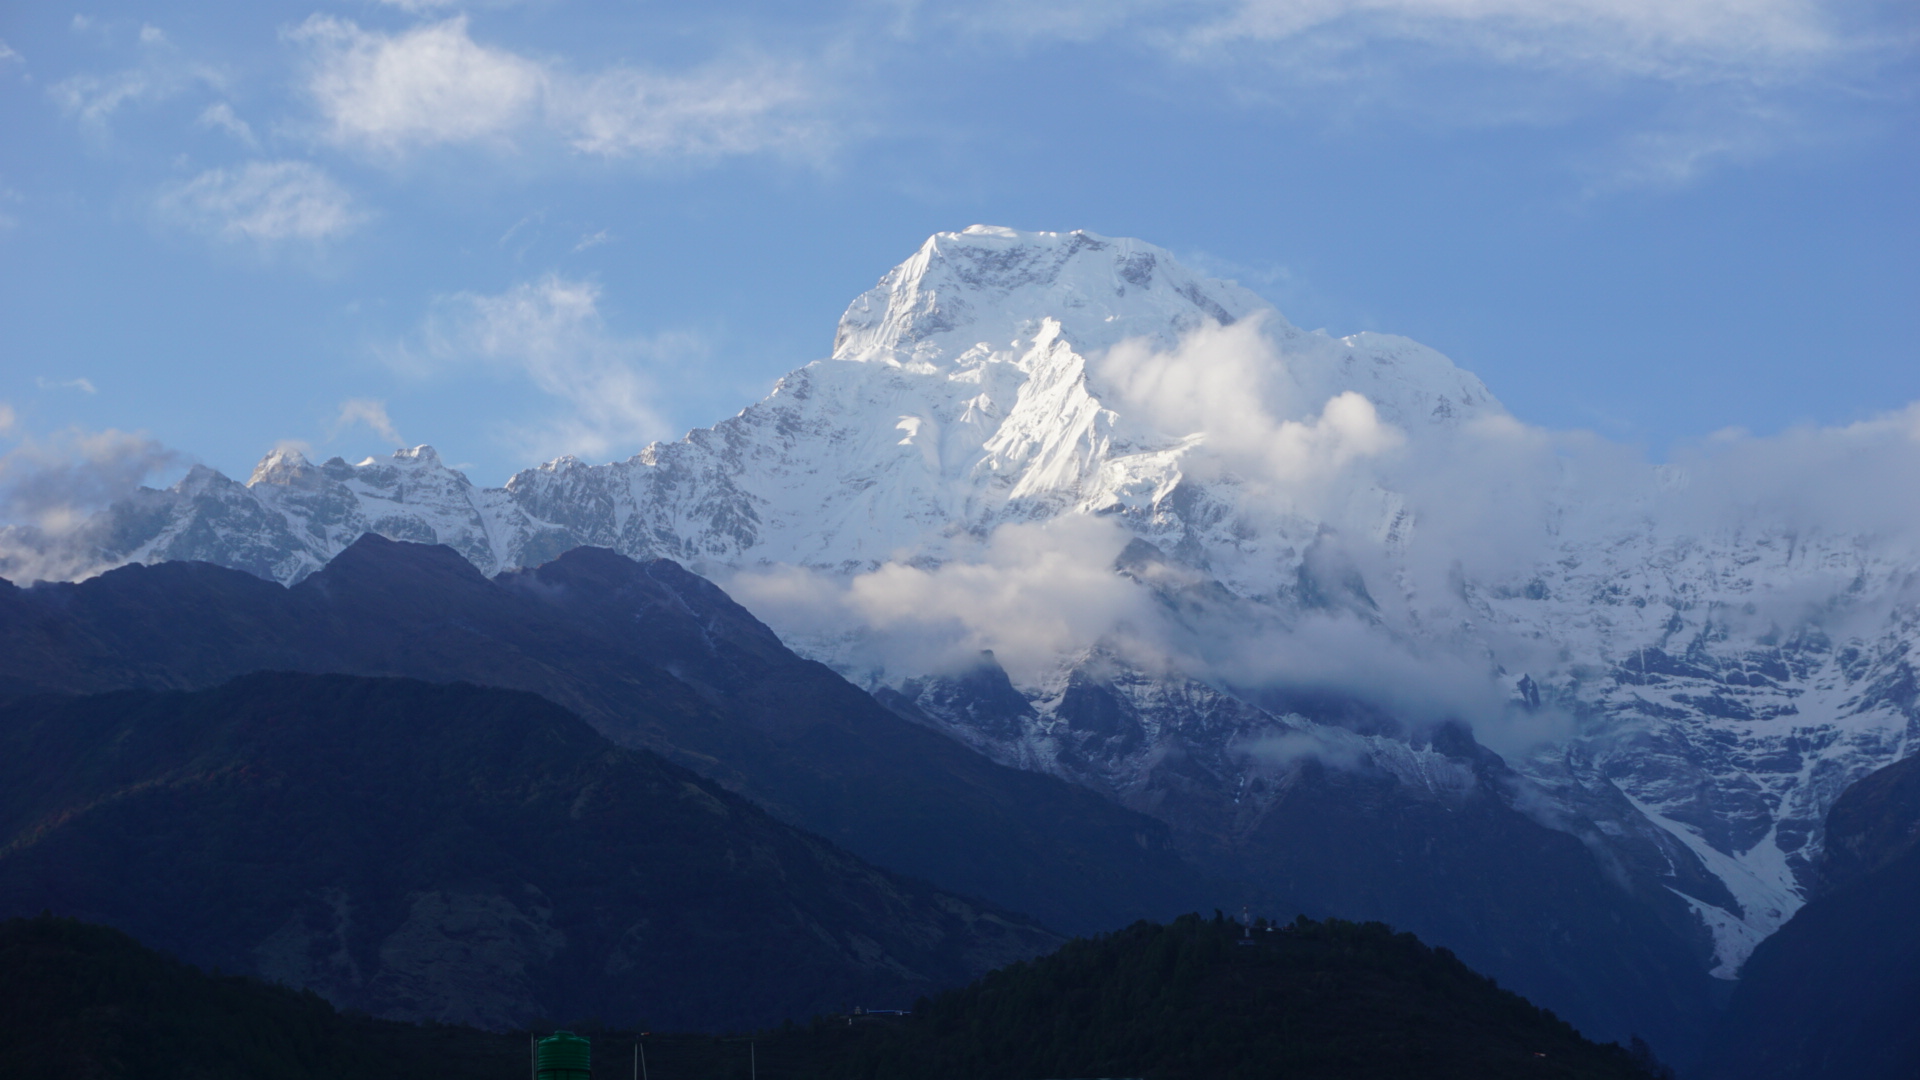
x,y
1327,1001
84,1002
1212,999
1835,993
651,655
453,852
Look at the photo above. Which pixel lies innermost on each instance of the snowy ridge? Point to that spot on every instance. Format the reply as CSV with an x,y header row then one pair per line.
x,y
999,378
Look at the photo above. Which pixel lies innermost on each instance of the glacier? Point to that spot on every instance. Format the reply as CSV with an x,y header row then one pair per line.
x,y
1094,514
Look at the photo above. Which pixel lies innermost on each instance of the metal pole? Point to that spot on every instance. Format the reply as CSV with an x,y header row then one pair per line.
x,y
753,1059
641,1050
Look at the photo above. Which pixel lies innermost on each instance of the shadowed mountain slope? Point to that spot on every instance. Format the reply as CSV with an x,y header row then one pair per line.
x,y
1835,994
454,853
1425,830
1198,999
1334,1001
652,656
658,657
89,1002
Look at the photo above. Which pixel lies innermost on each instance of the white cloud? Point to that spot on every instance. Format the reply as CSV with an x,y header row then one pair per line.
x,y
1664,92
1680,39
740,107
7,418
1228,385
51,489
369,412
162,73
435,85
1683,40
1031,592
83,385
53,483
1834,480
428,85
221,116
94,98
7,53
551,332
265,201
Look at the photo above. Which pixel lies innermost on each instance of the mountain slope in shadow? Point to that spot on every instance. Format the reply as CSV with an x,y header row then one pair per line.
x,y
1835,993
455,853
1194,999
652,656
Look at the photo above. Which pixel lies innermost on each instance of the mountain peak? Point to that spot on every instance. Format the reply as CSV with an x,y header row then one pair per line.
x,y
285,465
983,286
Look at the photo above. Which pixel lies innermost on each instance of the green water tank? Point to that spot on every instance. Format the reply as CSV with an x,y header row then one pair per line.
x,y
563,1056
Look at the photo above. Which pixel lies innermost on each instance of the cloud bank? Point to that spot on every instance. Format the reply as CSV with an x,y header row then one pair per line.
x,y
1390,526
52,488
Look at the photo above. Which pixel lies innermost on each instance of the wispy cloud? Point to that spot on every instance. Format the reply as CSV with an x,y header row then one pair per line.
x,y
83,385
1685,87
53,483
435,85
551,333
741,106
419,6
220,116
1682,40
51,490
264,201
370,412
161,72
94,98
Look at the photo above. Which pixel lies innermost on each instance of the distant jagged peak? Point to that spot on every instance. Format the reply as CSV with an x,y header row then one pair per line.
x,y
285,464
419,457
988,285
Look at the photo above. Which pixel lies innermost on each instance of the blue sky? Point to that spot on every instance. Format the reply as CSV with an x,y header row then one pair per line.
x,y
513,230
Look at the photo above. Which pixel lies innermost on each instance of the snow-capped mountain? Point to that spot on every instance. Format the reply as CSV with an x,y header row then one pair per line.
x,y
1205,545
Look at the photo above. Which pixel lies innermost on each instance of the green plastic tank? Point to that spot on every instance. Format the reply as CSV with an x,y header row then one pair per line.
x,y
563,1056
